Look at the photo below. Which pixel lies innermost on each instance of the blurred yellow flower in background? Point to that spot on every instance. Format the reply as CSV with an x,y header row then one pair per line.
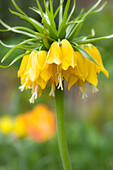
x,y
6,124
19,128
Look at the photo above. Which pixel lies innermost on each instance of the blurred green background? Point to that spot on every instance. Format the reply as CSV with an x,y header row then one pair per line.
x,y
89,122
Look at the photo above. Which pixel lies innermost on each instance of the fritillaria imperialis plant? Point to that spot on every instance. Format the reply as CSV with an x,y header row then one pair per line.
x,y
54,53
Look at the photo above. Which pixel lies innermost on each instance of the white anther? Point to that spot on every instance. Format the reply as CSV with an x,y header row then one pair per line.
x,y
22,87
60,82
83,91
52,92
34,94
94,89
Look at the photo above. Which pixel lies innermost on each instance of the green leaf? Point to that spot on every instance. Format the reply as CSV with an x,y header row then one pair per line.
x,y
16,46
35,23
71,13
52,16
61,12
51,30
65,15
81,38
16,59
101,8
56,12
33,33
25,31
93,39
18,9
74,32
85,54
62,32
39,6
38,12
23,47
5,45
71,27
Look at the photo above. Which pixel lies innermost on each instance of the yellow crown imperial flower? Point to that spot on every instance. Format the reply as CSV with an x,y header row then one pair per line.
x,y
56,53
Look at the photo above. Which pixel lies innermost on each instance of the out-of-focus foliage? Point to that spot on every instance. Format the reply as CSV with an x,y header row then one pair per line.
x,y
89,149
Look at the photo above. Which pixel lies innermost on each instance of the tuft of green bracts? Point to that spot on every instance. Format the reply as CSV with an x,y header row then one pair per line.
x,y
45,33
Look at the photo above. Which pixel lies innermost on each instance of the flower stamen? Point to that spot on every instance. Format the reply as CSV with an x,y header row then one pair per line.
x,y
94,89
52,91
60,79
83,91
34,94
22,87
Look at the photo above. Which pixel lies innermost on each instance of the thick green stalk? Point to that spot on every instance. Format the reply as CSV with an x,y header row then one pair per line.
x,y
59,98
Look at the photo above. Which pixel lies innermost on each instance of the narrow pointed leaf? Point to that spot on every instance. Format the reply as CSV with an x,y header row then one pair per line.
x,y
75,30
5,45
56,12
39,6
65,14
16,46
60,13
16,59
18,9
35,23
38,12
63,30
94,39
101,8
72,11
52,16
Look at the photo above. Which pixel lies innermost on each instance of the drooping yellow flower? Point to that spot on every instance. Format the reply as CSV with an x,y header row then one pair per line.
x,y
30,71
86,70
61,53
89,69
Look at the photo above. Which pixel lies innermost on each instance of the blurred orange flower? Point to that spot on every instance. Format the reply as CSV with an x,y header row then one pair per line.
x,y
39,124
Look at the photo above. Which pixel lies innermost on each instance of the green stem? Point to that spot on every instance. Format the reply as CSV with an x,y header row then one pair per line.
x,y
59,98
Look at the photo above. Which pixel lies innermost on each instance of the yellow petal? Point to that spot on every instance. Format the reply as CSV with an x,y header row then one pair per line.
x,y
39,91
80,83
41,82
54,54
41,59
67,55
23,64
82,65
92,74
93,51
72,80
32,68
46,72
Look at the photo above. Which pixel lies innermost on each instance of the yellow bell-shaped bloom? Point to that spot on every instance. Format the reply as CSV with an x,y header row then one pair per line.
x,y
30,71
61,53
89,69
